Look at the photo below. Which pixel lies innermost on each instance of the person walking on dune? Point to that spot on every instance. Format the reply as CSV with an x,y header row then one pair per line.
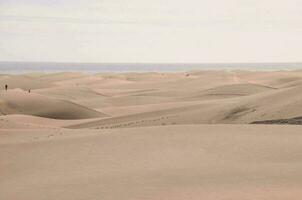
x,y
6,87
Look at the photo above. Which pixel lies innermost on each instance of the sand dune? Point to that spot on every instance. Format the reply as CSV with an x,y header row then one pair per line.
x,y
23,81
178,162
70,93
62,76
189,135
17,121
20,102
273,79
241,100
148,99
166,116
233,90
127,110
284,103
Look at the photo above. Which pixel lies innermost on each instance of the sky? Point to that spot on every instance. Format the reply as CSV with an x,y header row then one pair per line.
x,y
155,31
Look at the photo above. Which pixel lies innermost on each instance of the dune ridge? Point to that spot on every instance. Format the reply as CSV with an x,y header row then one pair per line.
x,y
21,102
205,97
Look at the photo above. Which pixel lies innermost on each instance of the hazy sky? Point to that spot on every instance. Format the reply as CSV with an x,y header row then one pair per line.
x,y
151,30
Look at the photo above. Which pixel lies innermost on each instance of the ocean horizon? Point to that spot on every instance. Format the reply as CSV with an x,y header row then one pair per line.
x,y
53,67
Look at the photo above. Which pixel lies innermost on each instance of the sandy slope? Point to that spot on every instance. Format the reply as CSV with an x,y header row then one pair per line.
x,y
150,99
20,102
147,136
178,162
233,97
70,93
62,76
25,82
17,121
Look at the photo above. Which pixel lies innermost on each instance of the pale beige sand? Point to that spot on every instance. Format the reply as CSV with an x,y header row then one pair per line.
x,y
23,81
177,162
17,101
17,121
151,136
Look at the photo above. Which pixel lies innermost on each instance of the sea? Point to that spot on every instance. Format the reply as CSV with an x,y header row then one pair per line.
x,y
53,67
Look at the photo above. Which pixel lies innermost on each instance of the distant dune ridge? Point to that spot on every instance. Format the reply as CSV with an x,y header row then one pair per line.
x,y
151,135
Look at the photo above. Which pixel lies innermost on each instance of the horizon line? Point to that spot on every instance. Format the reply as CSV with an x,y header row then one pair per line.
x,y
75,62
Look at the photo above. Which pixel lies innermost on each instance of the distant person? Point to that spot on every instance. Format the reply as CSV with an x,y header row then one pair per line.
x,y
29,91
6,87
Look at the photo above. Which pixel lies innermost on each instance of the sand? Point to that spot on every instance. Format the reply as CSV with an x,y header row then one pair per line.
x,y
196,135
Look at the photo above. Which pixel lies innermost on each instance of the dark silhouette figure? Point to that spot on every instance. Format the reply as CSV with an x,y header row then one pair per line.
x,y
5,87
29,91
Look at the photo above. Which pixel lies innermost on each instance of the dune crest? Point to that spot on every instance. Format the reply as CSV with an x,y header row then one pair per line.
x,y
17,101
